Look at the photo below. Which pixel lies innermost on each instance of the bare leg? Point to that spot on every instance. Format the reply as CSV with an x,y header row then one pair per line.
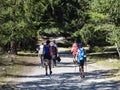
x,y
74,59
46,66
42,60
50,67
82,70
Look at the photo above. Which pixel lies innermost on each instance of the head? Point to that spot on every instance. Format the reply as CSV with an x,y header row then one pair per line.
x,y
52,44
54,41
41,42
47,42
80,45
75,41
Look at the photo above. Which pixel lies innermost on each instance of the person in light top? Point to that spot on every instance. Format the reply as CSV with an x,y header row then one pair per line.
x,y
41,53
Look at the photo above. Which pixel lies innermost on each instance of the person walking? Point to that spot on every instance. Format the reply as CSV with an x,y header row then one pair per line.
x,y
74,50
41,54
54,53
47,57
81,59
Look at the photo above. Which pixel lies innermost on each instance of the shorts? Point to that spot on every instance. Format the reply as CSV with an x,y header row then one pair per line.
x,y
47,57
81,63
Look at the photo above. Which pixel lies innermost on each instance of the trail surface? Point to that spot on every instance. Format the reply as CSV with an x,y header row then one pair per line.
x,y
65,77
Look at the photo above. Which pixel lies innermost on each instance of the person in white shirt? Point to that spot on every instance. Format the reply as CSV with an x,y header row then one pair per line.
x,y
41,54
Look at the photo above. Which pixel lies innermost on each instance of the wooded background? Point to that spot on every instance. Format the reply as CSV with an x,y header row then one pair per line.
x,y
93,22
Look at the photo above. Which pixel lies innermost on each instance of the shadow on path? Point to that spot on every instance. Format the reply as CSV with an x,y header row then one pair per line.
x,y
68,81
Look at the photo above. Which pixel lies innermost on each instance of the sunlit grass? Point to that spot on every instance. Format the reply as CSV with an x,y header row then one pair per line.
x,y
18,67
63,49
110,64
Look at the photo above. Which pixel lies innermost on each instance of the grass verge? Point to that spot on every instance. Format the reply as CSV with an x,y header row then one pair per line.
x,y
110,63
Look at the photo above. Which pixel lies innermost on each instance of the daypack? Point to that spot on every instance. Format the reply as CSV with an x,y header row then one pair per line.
x,y
81,54
47,50
58,58
54,50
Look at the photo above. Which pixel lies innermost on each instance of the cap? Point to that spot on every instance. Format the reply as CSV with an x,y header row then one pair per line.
x,y
80,44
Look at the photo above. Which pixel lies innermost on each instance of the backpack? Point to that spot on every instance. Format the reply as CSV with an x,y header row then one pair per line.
x,y
47,50
81,54
58,58
54,50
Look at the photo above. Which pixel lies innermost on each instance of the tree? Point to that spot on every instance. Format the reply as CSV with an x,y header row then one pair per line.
x,y
15,24
114,38
66,15
109,9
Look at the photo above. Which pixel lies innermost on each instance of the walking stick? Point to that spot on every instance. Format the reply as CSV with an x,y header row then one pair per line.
x,y
75,62
86,66
85,63
75,66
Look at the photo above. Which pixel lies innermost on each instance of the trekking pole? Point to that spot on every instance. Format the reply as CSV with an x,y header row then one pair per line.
x,y
75,66
75,63
86,63
85,66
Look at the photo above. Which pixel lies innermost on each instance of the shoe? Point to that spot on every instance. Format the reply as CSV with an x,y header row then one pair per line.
x,y
50,72
46,74
82,76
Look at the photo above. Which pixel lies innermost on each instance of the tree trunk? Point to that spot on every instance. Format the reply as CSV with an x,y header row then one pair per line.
x,y
118,50
13,47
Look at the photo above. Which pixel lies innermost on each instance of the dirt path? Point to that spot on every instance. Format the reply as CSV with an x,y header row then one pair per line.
x,y
65,77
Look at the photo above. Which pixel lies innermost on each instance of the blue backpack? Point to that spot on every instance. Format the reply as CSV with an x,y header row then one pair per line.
x,y
81,54
47,50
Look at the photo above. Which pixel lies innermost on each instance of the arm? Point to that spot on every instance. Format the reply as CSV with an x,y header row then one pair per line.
x,y
50,49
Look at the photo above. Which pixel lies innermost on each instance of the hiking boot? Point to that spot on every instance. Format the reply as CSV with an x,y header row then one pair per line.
x,y
82,76
50,72
46,74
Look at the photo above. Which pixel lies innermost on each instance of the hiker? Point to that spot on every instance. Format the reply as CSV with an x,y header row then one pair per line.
x,y
74,50
54,53
47,57
81,59
41,54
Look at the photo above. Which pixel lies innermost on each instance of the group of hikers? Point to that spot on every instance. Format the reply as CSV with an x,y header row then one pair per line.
x,y
79,57
48,54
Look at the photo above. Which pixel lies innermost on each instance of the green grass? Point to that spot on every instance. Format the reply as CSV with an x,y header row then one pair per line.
x,y
20,66
110,63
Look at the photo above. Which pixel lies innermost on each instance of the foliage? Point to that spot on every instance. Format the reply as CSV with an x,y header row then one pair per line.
x,y
94,22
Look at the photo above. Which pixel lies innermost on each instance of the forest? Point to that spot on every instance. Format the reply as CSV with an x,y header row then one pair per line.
x,y
93,22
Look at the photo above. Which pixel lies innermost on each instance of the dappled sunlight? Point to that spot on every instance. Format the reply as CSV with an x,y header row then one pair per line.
x,y
65,76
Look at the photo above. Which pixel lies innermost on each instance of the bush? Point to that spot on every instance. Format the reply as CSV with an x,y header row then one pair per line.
x,y
98,49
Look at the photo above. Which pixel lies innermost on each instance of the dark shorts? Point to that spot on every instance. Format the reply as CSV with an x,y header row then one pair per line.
x,y
81,63
47,57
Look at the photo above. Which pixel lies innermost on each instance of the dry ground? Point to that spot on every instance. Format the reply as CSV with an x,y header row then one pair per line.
x,y
26,74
